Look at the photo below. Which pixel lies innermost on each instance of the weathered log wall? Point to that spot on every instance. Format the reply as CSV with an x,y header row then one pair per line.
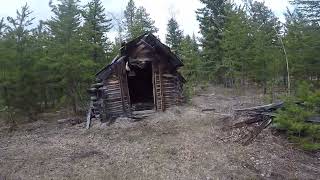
x,y
167,86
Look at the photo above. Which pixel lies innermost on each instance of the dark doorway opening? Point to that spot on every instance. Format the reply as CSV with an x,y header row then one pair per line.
x,y
141,87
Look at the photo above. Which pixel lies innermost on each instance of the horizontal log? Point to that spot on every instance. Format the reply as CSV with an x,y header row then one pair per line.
x,y
115,112
313,119
111,93
169,76
97,85
112,82
263,108
112,88
114,109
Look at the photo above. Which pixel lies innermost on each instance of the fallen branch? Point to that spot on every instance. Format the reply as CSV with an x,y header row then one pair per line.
x,y
210,109
313,119
263,108
257,131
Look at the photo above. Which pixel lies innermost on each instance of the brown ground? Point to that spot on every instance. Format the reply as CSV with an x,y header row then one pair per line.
x,y
183,143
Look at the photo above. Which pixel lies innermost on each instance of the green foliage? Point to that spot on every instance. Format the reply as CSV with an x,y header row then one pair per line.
x,y
174,35
189,53
96,25
137,21
293,117
212,20
236,46
302,40
310,9
17,59
53,64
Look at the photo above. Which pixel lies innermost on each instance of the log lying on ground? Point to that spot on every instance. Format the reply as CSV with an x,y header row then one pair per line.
x,y
313,119
209,109
71,121
256,131
254,118
263,114
263,108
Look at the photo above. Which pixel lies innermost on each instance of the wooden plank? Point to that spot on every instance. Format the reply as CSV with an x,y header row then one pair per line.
x,y
115,107
161,88
169,76
127,98
113,93
112,90
154,87
112,82
120,74
89,115
114,99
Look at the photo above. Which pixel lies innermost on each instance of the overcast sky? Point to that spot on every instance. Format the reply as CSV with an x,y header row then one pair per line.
x,y
160,11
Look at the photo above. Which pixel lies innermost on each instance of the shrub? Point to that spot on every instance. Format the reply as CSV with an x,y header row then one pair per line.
x,y
292,119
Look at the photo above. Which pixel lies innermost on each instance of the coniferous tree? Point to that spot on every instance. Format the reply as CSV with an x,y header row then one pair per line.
x,y
174,35
212,20
191,60
95,28
19,81
138,21
129,14
309,8
302,42
72,66
265,46
236,47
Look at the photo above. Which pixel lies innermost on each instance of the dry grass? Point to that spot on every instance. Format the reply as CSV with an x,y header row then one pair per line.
x,y
183,143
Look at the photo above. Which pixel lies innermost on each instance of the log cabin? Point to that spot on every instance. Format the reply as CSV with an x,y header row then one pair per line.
x,y
144,76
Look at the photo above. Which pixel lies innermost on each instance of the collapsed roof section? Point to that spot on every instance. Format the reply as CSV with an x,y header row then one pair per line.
x,y
126,49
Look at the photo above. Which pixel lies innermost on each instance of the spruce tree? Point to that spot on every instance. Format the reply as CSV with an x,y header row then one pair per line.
x,y
191,60
174,35
265,47
302,42
129,14
72,67
95,28
236,47
212,19
309,8
19,81
137,21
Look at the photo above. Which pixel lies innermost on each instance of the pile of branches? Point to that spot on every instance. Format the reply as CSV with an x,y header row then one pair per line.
x,y
261,115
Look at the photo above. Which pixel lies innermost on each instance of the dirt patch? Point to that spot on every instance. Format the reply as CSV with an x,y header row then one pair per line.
x,y
182,143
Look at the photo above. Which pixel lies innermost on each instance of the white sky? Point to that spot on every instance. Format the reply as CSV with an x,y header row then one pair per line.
x,y
160,11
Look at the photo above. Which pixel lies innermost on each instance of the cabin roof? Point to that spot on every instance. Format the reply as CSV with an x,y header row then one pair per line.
x,y
150,40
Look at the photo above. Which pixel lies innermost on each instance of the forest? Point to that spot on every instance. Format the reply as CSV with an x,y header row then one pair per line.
x,y
49,64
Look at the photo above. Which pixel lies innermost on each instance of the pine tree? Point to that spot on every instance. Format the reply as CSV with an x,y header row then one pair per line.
x,y
2,27
138,21
302,42
309,8
190,57
236,47
174,35
96,25
72,67
129,14
19,81
212,20
265,46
